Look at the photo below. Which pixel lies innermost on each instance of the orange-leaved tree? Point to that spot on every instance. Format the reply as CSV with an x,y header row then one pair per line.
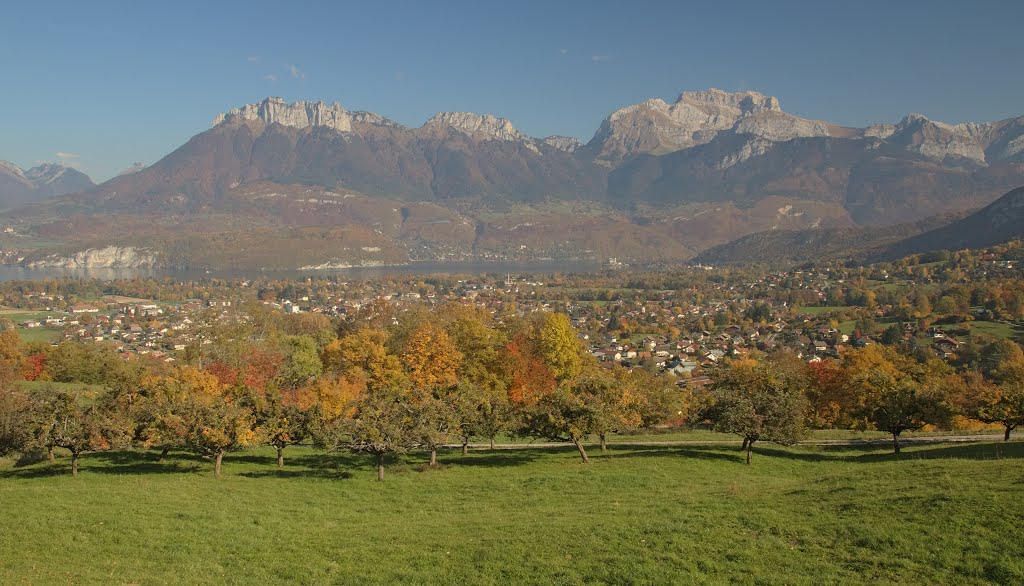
x,y
205,415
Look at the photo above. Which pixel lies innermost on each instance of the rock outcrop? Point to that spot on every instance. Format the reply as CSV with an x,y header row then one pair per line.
x,y
110,257
302,114
568,144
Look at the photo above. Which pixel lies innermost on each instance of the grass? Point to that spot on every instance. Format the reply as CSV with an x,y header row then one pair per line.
x,y
39,334
997,329
696,514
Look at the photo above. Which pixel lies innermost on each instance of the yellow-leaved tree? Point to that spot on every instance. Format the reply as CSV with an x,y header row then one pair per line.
x,y
202,415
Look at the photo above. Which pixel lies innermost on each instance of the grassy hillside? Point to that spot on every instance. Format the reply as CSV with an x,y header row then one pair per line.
x,y
940,515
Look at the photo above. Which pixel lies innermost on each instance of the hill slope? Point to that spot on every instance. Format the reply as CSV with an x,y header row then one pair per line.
x,y
786,247
999,222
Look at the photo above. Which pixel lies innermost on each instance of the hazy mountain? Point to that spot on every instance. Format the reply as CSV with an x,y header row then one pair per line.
x,y
46,180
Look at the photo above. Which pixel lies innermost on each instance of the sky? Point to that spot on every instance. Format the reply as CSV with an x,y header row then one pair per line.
x,y
101,85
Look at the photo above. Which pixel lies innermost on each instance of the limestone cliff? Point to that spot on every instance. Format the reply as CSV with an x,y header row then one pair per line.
x,y
110,257
302,114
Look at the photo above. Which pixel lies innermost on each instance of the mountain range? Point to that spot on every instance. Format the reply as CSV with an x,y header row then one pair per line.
x,y
18,186
282,185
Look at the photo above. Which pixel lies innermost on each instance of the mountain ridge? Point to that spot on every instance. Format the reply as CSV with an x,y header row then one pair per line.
x,y
704,170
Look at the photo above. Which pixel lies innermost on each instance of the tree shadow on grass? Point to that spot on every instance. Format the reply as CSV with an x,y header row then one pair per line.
x,y
47,470
328,466
140,463
864,453
495,459
856,453
691,451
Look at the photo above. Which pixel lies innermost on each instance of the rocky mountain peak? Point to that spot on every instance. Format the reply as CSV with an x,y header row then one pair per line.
x,y
486,124
8,168
295,114
568,144
302,114
746,102
657,127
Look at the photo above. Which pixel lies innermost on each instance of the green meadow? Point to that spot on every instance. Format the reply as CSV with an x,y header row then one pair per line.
x,y
940,514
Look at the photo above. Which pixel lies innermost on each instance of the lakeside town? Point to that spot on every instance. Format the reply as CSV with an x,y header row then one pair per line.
x,y
677,322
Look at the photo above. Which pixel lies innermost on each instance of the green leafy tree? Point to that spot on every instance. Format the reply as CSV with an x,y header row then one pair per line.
x,y
282,421
569,414
15,421
382,422
66,419
302,361
758,402
896,404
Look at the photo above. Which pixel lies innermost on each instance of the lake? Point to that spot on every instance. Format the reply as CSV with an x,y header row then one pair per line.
x,y
16,273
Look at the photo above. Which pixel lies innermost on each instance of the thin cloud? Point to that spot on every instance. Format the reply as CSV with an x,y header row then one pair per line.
x,y
63,155
598,58
563,52
296,73
253,59
270,77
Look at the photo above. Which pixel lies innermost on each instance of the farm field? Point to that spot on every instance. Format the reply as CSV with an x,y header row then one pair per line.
x,y
941,514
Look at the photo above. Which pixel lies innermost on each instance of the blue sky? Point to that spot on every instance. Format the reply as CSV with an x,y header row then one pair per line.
x,y
103,84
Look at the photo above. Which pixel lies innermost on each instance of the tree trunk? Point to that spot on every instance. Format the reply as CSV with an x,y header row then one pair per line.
x,y
465,448
583,453
74,464
1006,436
216,464
280,456
163,454
750,448
433,457
604,442
896,443
49,452
492,443
743,448
380,466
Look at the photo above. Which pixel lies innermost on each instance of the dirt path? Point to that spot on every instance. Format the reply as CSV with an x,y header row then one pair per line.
x,y
883,441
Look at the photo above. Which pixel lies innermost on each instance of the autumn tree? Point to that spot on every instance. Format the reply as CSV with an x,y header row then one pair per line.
x,y
895,392
1000,403
431,362
66,419
15,420
365,350
830,402
758,402
278,416
559,347
482,397
204,415
1002,359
